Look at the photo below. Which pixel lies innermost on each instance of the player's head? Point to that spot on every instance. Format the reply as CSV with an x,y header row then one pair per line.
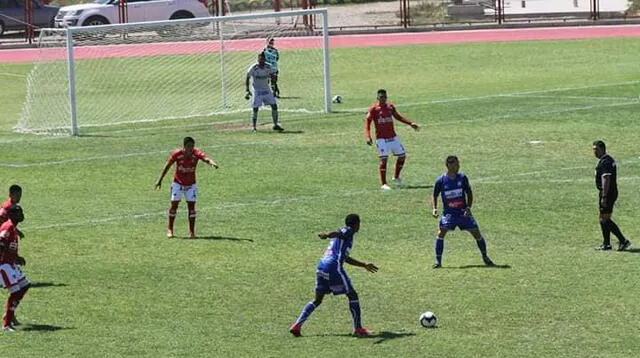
x,y
382,95
270,41
15,193
15,214
188,143
262,59
452,163
353,220
599,148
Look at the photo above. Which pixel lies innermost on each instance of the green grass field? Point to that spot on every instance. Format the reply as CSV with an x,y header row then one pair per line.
x,y
520,116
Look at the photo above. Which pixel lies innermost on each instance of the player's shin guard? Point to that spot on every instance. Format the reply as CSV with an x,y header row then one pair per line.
x,y
254,117
399,165
606,232
482,245
306,312
12,304
274,115
439,249
191,206
354,307
382,168
172,213
614,229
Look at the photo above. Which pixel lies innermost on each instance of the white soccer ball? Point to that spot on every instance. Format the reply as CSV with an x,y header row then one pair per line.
x,y
428,319
337,99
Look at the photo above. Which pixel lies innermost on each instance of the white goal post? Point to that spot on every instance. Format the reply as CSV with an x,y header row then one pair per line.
x,y
144,72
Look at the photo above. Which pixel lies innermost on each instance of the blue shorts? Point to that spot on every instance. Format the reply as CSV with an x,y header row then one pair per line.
x,y
450,222
333,280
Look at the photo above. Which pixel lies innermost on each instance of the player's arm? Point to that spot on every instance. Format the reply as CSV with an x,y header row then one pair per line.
x,y
605,179
331,235
404,119
164,171
246,84
466,187
367,127
368,266
200,155
437,188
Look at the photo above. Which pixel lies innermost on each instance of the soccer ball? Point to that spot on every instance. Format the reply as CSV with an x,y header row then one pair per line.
x,y
337,99
428,319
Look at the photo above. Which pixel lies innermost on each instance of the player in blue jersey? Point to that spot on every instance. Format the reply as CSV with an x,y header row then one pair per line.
x,y
457,198
332,278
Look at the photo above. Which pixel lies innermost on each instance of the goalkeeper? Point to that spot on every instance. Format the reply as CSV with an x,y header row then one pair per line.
x,y
259,74
273,56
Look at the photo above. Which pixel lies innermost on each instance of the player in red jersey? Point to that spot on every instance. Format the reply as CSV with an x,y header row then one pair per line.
x,y
15,194
382,115
184,181
12,277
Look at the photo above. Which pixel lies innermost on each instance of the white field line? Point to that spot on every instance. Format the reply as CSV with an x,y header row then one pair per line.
x,y
288,200
143,154
220,206
362,110
9,74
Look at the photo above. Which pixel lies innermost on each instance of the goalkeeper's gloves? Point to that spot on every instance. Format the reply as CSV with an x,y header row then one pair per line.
x,y
247,95
20,261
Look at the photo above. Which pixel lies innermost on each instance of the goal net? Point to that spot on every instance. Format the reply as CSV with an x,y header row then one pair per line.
x,y
154,71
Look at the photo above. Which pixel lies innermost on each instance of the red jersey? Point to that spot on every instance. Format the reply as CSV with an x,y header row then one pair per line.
x,y
382,116
186,165
9,237
3,210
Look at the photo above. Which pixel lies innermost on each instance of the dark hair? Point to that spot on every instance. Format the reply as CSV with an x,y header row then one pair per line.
x,y
14,212
351,219
382,91
600,144
188,140
451,159
14,189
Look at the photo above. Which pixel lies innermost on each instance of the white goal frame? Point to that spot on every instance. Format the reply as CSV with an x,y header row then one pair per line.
x,y
217,22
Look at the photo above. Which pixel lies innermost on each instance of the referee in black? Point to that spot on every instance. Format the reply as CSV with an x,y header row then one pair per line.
x,y
608,194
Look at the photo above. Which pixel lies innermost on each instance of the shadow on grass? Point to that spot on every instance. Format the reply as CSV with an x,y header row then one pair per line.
x,y
481,266
47,284
417,186
31,327
379,337
288,97
213,238
632,251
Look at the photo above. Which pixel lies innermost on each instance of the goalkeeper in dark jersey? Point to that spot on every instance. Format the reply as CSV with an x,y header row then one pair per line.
x,y
273,56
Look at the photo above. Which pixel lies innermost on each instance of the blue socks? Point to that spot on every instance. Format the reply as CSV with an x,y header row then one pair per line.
x,y
439,244
354,307
306,312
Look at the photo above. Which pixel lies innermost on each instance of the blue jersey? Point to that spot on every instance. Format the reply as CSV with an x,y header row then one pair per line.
x,y
338,250
454,193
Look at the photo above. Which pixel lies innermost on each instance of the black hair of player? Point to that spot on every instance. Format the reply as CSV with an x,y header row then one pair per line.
x,y
382,91
15,214
451,159
352,219
15,189
188,140
600,144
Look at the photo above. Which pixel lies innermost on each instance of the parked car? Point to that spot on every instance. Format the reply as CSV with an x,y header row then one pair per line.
x,y
102,12
12,15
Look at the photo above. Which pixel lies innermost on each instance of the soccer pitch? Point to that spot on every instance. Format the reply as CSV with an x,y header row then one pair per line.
x,y
521,116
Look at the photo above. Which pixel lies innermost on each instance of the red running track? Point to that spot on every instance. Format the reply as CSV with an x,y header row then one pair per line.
x,y
394,39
